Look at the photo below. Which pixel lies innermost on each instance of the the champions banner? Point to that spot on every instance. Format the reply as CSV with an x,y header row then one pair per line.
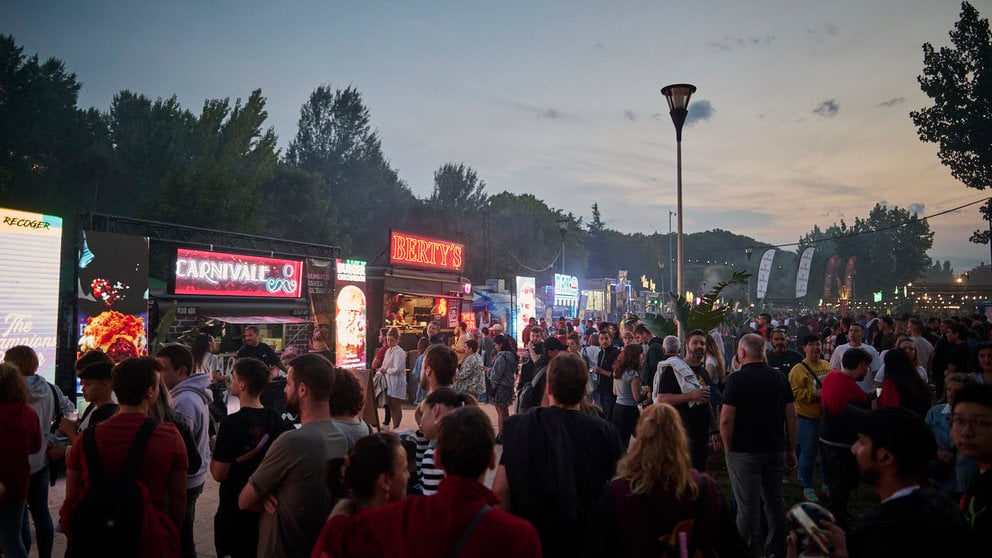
x,y
30,252
802,277
764,272
526,305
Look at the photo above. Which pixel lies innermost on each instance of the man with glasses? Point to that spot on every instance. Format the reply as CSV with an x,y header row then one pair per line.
x,y
780,357
971,428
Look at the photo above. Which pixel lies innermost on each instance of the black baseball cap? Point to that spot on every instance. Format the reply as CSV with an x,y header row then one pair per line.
x,y
901,431
553,344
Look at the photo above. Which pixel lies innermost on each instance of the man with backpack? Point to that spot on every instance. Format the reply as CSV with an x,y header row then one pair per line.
x,y
190,398
242,441
532,393
119,477
50,405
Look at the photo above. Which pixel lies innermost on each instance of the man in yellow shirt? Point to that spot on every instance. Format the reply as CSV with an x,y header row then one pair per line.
x,y
806,379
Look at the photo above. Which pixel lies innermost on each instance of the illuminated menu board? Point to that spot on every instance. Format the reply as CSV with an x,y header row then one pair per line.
x,y
218,274
526,303
30,252
351,314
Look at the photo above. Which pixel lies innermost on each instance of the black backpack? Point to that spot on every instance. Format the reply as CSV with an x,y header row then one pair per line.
x,y
115,517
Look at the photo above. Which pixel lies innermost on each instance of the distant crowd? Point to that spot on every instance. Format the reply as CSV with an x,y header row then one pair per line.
x,y
605,443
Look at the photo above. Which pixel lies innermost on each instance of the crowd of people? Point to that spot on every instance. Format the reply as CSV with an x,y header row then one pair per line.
x,y
605,443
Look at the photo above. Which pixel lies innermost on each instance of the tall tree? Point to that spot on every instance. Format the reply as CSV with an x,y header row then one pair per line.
x,y
232,157
596,225
457,189
959,80
335,139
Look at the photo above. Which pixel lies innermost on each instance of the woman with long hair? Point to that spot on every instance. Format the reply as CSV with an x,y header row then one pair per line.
x,y
981,362
206,362
903,386
161,410
627,388
502,379
20,436
656,489
373,474
905,343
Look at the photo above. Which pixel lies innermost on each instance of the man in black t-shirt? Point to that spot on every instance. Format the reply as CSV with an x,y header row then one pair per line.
x,y
690,394
254,348
958,353
604,370
242,441
759,428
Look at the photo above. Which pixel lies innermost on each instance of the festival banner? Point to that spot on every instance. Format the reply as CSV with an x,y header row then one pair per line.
x,y
764,271
849,277
320,292
30,252
831,278
526,303
112,294
351,314
802,277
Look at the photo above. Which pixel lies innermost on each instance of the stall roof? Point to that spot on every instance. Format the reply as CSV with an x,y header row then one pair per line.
x,y
259,319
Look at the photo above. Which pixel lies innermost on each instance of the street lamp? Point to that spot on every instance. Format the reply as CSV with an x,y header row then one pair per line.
x,y
562,227
748,251
678,107
670,260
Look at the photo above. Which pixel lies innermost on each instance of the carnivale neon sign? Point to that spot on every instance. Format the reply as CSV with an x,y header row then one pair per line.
x,y
421,251
219,274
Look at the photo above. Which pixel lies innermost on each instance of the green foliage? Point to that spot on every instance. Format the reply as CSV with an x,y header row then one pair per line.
x,y
959,81
659,325
709,313
891,251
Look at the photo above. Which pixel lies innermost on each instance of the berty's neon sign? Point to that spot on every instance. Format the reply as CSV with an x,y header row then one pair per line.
x,y
422,251
220,274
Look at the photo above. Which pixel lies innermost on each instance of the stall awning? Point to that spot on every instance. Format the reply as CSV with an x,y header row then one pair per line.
x,y
258,320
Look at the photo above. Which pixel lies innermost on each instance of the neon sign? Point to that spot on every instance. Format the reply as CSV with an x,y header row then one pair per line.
x,y
421,251
220,274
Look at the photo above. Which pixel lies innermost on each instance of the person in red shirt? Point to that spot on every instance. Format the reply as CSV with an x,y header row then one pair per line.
x,y
163,468
840,388
20,436
463,512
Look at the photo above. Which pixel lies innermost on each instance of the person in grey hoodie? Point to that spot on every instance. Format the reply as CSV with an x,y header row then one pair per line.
x,y
190,398
42,397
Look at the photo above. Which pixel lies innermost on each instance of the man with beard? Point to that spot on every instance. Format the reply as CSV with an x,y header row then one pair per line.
x,y
885,339
685,385
289,483
893,448
254,348
780,357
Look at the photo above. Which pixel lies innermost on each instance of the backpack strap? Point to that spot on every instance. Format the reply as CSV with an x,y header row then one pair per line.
x,y
57,414
816,381
94,466
137,451
468,531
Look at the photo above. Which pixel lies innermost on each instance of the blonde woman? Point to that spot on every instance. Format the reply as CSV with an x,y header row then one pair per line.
x,y
655,489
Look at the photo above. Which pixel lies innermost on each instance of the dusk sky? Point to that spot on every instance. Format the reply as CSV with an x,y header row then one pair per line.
x,y
801,115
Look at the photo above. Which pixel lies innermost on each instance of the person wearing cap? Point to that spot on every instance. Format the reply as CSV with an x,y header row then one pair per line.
x,y
98,390
971,428
893,449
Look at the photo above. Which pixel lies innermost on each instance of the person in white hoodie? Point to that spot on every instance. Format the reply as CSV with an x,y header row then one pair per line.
x,y
190,398
43,398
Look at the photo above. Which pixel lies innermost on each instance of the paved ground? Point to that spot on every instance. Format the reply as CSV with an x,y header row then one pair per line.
x,y
206,505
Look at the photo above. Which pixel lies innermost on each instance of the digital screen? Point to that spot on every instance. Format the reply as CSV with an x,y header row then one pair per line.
x,y
112,294
218,274
526,303
30,252
350,324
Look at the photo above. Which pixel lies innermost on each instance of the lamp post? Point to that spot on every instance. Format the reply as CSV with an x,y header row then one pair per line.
x,y
562,227
678,107
670,280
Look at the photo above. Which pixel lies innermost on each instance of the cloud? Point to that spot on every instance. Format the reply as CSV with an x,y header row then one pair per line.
x,y
699,110
629,115
892,102
728,43
553,114
917,208
827,108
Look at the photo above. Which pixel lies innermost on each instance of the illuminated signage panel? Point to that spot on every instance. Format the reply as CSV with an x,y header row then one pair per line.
x,y
430,253
220,274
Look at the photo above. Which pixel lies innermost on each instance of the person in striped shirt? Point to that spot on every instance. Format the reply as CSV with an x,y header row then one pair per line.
x,y
438,404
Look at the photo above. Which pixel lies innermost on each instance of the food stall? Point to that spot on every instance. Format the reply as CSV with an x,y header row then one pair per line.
x,y
422,283
223,293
